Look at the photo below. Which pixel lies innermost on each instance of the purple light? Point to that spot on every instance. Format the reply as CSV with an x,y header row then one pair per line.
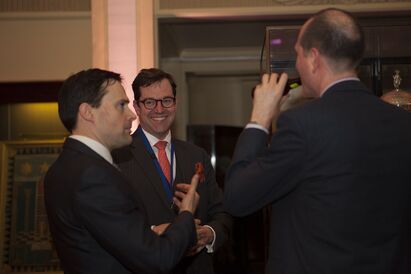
x,y
276,42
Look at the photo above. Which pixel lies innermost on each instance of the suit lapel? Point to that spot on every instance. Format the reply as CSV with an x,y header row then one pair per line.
x,y
146,164
181,164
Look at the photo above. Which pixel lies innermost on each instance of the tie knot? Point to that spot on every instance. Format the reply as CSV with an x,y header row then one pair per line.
x,y
161,145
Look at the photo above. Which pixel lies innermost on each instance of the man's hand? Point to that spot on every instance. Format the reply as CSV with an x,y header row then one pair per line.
x,y
204,237
267,98
186,197
159,229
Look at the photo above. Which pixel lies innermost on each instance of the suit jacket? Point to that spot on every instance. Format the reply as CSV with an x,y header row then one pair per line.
x,y
99,225
137,165
337,176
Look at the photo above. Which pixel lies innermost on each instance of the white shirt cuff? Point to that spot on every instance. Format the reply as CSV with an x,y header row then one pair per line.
x,y
210,247
257,126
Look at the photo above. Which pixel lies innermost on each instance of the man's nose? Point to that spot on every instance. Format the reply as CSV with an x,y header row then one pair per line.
x,y
159,107
131,114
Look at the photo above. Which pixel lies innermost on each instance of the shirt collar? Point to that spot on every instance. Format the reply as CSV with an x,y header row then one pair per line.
x,y
339,81
96,146
153,140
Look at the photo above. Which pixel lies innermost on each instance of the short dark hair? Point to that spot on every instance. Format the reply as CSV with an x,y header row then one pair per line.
x,y
86,86
337,35
147,77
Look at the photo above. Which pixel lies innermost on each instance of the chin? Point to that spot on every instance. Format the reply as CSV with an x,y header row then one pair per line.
x,y
125,142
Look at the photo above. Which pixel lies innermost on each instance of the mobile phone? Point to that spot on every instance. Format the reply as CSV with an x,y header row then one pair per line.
x,y
291,84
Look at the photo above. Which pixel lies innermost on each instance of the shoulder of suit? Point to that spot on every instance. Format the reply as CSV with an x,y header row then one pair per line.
x,y
121,154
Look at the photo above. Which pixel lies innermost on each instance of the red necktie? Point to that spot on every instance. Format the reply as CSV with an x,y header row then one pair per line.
x,y
162,159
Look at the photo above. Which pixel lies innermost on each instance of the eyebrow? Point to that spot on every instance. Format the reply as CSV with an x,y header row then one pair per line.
x,y
168,96
124,101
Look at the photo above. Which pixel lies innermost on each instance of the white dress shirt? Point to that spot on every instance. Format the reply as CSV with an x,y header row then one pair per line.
x,y
96,146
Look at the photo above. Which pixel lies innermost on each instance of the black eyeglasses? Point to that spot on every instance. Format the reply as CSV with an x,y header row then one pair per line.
x,y
151,103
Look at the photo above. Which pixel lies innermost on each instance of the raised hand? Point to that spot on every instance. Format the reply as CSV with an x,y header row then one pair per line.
x,y
267,98
186,197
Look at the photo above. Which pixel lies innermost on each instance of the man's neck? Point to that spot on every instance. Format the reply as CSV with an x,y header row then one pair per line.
x,y
334,78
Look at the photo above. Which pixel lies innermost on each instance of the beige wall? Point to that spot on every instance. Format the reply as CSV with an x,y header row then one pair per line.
x,y
200,80
40,47
220,99
43,46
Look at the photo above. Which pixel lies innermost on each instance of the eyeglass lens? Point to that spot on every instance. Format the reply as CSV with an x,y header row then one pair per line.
x,y
166,102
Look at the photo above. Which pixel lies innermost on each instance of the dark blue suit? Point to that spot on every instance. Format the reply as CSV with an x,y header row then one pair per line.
x,y
99,225
338,177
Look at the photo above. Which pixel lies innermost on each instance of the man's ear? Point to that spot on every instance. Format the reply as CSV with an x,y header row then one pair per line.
x,y
85,112
315,59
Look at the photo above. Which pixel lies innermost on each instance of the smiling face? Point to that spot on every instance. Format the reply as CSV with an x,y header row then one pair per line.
x,y
158,120
113,118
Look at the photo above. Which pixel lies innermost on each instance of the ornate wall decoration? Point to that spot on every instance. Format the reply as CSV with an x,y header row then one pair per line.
x,y
25,241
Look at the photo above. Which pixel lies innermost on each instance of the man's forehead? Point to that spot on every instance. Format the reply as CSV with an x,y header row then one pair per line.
x,y
115,90
163,85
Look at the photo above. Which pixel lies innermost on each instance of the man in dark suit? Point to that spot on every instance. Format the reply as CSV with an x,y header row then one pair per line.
x,y
98,224
141,162
336,172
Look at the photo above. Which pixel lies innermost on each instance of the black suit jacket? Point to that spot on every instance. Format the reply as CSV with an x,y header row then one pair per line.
x,y
337,174
99,225
137,165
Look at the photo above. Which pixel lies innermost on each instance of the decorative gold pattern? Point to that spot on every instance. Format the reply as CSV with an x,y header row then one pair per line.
x,y
25,241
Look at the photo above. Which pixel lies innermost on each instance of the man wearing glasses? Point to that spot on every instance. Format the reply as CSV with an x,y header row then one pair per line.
x,y
155,162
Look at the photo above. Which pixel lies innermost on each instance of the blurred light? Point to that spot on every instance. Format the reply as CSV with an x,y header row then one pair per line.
x,y
276,42
213,161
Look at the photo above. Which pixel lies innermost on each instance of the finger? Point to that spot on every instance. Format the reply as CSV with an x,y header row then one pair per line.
x,y
256,91
265,78
197,221
179,194
273,78
193,186
283,80
183,187
177,202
